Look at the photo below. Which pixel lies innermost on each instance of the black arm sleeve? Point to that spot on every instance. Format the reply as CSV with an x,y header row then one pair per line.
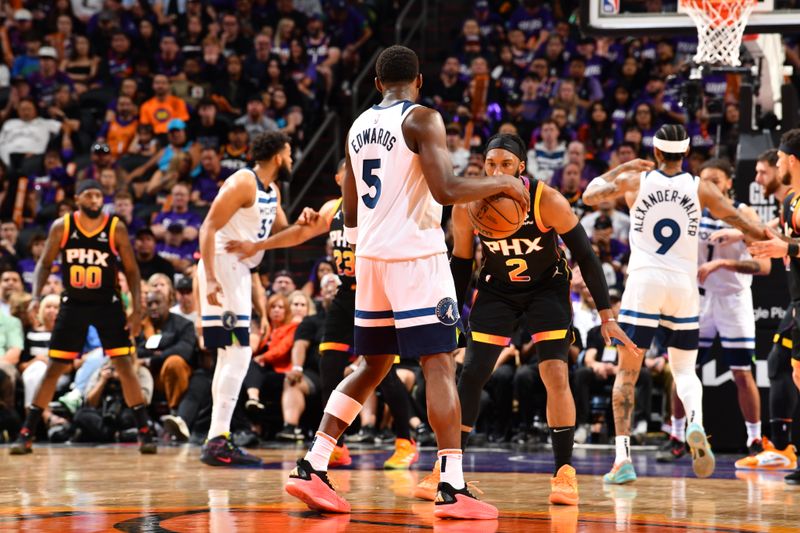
x,y
462,273
578,243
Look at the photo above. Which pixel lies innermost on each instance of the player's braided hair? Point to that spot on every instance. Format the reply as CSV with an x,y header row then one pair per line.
x,y
397,64
672,132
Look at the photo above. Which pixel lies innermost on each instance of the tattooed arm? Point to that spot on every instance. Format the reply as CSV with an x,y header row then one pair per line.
x,y
722,209
618,181
758,266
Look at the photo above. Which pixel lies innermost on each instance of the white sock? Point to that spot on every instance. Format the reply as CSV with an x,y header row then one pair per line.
x,y
679,429
320,452
753,431
232,363
690,389
450,468
623,446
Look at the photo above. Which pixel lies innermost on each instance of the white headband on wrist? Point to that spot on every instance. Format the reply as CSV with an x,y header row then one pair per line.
x,y
671,147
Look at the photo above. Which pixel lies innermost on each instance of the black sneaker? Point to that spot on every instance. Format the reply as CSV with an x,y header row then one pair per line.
x,y
386,436
147,440
671,451
254,409
221,451
755,448
365,435
793,478
290,433
24,443
425,436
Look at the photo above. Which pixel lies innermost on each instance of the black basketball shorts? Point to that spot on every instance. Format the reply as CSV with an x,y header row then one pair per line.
x,y
73,321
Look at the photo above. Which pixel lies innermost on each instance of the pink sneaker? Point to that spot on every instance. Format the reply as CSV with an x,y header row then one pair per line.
x,y
461,504
315,489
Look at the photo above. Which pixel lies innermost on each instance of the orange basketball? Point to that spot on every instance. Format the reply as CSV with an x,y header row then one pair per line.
x,y
496,217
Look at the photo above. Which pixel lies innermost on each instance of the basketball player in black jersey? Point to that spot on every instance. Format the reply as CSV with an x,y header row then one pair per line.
x,y
337,339
91,245
525,277
788,245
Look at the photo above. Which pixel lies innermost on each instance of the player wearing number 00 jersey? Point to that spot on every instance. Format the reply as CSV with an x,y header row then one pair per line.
x,y
661,291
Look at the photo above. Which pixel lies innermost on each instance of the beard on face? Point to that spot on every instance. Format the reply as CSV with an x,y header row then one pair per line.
x,y
786,179
770,188
284,174
91,213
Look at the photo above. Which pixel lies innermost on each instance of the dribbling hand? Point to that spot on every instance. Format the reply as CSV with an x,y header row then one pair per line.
x,y
213,292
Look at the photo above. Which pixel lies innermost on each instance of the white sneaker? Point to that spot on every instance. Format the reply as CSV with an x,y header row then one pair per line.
x,y
582,433
176,427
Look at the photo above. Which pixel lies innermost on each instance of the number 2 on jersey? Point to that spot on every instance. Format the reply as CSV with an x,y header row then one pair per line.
x,y
519,266
369,177
668,238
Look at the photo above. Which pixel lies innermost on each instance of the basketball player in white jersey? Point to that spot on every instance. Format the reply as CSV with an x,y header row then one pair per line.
x,y
725,275
398,173
247,207
661,291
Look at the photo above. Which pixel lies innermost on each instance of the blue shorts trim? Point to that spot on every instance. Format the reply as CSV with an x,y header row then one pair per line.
x,y
415,313
219,337
650,316
381,340
372,315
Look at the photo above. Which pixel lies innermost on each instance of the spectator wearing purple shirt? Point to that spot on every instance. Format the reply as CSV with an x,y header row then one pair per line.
x,y
576,155
169,61
118,64
533,18
489,23
179,214
175,249
349,31
587,89
46,81
521,53
207,184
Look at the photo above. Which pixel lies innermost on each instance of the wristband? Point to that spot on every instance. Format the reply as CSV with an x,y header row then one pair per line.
x,y
793,250
297,368
351,234
607,320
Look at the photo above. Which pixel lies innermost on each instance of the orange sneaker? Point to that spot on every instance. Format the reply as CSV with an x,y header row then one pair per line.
x,y
426,489
313,488
461,504
405,454
340,457
769,459
564,487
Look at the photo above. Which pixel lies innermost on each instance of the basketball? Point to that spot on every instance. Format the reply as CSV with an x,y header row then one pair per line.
x,y
496,217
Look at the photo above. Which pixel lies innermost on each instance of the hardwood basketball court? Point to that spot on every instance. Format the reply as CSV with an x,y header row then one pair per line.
x,y
114,488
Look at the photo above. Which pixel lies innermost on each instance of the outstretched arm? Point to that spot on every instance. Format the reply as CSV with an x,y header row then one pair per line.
x,y
424,133
756,266
616,182
556,213
722,209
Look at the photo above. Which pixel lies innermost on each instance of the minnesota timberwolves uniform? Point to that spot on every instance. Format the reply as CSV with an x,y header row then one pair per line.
x,y
405,299
524,275
230,323
661,290
89,271
726,302
338,332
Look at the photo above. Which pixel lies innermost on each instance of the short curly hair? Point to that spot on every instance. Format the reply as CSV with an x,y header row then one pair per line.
x,y
397,64
267,144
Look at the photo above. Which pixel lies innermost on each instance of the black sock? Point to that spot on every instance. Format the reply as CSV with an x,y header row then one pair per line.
x,y
464,439
562,439
340,442
33,419
396,397
142,418
781,430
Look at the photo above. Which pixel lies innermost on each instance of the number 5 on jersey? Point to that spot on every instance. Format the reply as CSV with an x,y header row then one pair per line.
x,y
369,177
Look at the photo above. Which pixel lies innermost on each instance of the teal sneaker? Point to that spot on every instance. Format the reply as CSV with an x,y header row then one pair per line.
x,y
621,474
703,461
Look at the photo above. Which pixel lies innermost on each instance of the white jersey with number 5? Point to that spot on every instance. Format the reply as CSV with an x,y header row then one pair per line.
x,y
665,222
398,219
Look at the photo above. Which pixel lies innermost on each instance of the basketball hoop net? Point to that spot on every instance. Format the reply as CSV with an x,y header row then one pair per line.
x,y
720,28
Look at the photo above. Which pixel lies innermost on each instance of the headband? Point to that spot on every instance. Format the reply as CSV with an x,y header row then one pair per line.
x,y
788,150
671,147
85,185
507,142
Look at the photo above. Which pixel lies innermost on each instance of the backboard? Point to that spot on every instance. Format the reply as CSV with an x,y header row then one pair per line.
x,y
619,18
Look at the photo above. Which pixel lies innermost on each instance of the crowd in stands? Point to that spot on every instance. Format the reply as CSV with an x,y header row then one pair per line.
x,y
158,100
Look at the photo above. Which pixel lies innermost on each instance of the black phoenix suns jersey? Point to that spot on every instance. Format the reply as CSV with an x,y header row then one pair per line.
x,y
89,263
343,255
791,228
523,258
